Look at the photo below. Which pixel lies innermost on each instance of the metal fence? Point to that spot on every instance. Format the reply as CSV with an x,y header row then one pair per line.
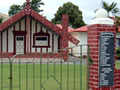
x,y
19,73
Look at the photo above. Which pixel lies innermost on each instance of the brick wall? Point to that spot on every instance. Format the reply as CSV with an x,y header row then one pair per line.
x,y
117,79
93,41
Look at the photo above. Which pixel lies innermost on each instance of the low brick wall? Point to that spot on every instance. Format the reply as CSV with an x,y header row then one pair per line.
x,y
117,79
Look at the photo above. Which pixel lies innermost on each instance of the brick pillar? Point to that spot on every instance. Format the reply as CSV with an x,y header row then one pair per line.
x,y
64,38
94,32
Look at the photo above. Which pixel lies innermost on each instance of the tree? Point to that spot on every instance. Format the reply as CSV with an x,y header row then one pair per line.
x,y
112,8
75,15
35,5
14,9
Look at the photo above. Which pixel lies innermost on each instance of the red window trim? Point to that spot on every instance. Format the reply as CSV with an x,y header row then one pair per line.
x,y
41,33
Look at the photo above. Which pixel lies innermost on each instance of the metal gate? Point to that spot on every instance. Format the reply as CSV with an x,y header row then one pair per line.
x,y
19,73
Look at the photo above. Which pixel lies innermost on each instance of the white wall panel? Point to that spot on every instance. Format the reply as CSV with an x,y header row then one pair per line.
x,y
4,41
10,40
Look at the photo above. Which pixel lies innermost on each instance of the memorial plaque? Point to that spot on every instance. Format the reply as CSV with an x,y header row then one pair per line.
x,y
106,59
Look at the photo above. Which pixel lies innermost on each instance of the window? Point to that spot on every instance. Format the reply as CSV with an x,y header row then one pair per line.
x,y
19,38
41,39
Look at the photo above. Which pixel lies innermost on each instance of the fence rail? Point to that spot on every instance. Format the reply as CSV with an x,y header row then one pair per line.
x,y
19,73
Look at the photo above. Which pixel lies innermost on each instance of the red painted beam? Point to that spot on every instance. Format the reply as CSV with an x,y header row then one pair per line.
x,y
28,43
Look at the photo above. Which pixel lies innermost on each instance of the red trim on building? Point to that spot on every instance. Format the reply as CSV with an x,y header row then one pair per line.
x,y
41,33
19,33
32,55
1,41
29,12
45,22
14,47
52,42
35,32
28,42
12,20
7,40
30,34
46,47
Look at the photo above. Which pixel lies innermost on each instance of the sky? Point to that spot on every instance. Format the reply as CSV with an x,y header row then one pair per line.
x,y
51,6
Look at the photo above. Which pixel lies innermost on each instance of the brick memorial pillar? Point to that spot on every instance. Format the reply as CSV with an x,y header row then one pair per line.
x,y
101,39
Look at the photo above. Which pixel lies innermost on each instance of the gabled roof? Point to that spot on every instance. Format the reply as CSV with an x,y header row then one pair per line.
x,y
81,29
12,20
30,12
35,15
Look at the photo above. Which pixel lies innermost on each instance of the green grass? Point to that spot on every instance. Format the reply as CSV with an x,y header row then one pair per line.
x,y
118,64
30,76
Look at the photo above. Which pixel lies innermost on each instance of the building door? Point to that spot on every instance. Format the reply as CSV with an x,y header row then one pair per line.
x,y
19,44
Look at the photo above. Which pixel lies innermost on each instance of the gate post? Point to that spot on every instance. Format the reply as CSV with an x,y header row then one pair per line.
x,y
101,41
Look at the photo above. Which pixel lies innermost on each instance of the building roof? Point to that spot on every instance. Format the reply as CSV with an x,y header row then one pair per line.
x,y
28,11
34,14
69,29
81,29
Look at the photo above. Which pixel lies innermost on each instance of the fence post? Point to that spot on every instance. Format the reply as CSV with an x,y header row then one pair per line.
x,y
10,75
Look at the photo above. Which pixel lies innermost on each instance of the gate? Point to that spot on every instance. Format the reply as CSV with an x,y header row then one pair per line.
x,y
19,73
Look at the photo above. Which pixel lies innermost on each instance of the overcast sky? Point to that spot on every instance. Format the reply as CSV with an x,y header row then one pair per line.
x,y
86,6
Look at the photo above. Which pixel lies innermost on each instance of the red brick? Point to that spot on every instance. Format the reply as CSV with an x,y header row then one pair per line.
x,y
93,41
95,61
117,87
93,80
93,72
93,52
93,45
93,37
105,88
94,57
94,49
95,88
93,33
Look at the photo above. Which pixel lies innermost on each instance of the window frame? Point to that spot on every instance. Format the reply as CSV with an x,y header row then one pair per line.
x,y
41,34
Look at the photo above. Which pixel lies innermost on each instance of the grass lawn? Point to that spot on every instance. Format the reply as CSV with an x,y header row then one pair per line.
x,y
49,76
118,64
